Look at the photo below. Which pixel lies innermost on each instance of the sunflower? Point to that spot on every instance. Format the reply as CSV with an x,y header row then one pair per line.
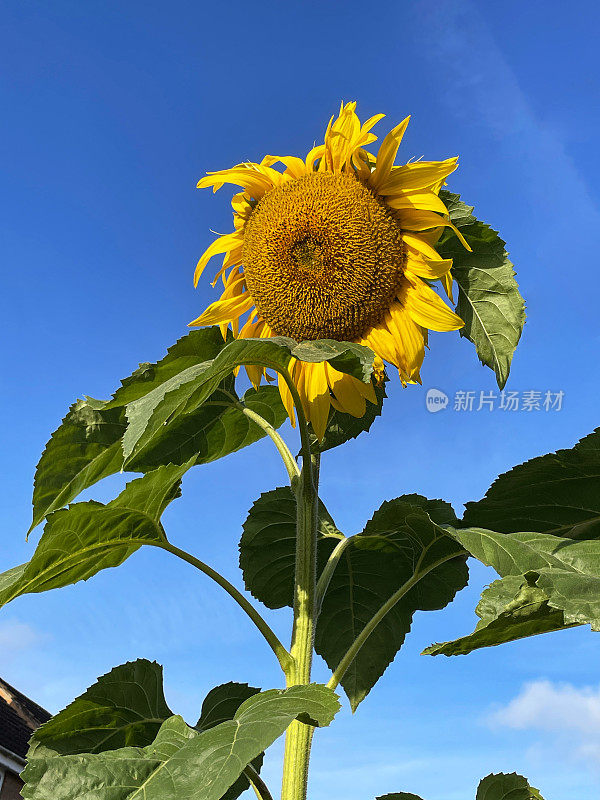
x,y
339,245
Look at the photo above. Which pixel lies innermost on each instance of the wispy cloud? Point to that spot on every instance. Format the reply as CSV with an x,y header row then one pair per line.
x,y
16,636
570,714
480,83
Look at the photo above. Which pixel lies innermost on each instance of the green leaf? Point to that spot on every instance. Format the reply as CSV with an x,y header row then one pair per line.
x,y
375,564
494,787
214,430
566,570
506,787
220,705
181,764
511,608
189,389
125,707
268,546
556,493
87,445
342,427
399,548
198,346
83,450
399,796
489,301
80,541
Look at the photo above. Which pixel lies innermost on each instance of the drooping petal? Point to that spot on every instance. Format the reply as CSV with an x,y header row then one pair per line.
x,y
312,156
409,336
428,309
223,244
419,246
295,166
317,396
253,179
423,220
417,175
430,270
346,393
224,311
383,343
286,396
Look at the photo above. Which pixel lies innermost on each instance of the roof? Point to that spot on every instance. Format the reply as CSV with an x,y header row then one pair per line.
x,y
19,718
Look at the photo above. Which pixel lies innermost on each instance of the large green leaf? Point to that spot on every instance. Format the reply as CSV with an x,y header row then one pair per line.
x,y
220,705
488,295
567,571
181,764
403,552
87,445
268,546
557,493
125,707
506,787
189,389
194,348
83,450
86,537
511,608
214,430
401,543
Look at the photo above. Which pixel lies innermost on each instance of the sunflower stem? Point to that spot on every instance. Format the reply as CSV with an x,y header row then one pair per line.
x,y
299,735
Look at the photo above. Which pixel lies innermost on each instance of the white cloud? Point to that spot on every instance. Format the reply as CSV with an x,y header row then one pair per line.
x,y
570,714
15,637
480,82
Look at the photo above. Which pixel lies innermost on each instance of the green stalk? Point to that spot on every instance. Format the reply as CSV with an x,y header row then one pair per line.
x,y
299,735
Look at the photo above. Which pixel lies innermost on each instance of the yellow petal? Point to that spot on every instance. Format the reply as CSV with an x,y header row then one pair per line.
x,y
420,246
317,396
447,283
224,310
251,178
294,165
313,155
387,154
430,270
254,374
346,393
286,399
409,337
423,220
223,244
418,175
382,342
425,201
250,330
428,309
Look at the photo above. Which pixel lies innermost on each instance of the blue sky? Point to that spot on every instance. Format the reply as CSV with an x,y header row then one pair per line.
x,y
112,111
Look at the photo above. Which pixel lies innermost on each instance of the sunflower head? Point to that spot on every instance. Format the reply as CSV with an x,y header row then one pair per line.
x,y
339,245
